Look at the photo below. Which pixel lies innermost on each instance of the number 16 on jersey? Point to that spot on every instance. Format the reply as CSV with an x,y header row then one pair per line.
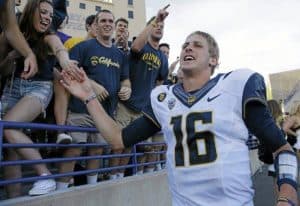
x,y
199,146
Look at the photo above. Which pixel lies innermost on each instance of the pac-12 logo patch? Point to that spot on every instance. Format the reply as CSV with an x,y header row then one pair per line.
x,y
171,103
161,97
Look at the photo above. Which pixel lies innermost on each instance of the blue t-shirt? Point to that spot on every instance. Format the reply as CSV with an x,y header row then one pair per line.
x,y
106,66
45,65
146,67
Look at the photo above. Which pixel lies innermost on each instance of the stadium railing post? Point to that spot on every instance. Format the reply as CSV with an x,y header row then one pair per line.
x,y
134,159
1,139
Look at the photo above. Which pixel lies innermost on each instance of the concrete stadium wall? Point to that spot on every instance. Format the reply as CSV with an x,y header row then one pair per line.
x,y
147,190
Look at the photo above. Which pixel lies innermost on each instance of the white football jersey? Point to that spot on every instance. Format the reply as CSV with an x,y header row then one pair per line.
x,y
207,157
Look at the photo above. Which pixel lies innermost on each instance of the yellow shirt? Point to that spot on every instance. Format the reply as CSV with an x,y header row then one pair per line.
x,y
70,43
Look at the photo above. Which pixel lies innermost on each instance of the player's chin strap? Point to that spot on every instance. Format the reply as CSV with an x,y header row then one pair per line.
x,y
286,166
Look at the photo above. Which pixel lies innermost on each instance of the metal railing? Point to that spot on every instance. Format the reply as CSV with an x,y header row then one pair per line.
x,y
51,127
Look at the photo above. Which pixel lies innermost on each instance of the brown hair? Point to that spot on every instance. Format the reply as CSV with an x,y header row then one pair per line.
x,y
122,20
164,45
104,11
213,47
28,30
89,21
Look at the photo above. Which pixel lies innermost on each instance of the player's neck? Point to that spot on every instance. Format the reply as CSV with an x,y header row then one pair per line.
x,y
193,82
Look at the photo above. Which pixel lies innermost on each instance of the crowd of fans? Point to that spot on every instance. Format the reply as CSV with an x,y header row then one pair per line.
x,y
122,73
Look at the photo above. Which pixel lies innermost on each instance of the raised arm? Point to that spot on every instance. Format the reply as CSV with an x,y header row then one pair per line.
x,y
142,38
14,36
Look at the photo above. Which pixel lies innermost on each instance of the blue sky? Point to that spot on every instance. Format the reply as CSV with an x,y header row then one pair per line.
x,y
261,35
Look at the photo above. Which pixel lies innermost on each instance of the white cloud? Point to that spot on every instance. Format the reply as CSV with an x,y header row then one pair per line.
x,y
262,35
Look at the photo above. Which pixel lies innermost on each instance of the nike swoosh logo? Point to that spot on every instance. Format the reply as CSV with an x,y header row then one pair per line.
x,y
212,98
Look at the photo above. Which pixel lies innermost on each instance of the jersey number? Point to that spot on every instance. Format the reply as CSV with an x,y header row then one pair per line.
x,y
199,145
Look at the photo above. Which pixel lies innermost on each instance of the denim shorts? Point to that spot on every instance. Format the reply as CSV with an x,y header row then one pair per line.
x,y
15,90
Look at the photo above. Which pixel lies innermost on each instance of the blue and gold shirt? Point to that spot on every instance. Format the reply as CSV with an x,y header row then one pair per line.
x,y
146,67
106,66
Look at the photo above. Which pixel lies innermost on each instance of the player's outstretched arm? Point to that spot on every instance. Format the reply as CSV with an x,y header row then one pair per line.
x,y
104,123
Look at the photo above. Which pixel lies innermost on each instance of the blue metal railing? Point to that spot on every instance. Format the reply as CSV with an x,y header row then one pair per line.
x,y
39,126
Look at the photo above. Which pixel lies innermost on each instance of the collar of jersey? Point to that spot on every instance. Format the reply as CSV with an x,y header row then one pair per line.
x,y
196,95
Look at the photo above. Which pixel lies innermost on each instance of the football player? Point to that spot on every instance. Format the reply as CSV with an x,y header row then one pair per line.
x,y
205,122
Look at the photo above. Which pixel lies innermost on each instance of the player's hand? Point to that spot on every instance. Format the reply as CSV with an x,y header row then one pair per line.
x,y
101,92
30,66
80,89
162,14
124,93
